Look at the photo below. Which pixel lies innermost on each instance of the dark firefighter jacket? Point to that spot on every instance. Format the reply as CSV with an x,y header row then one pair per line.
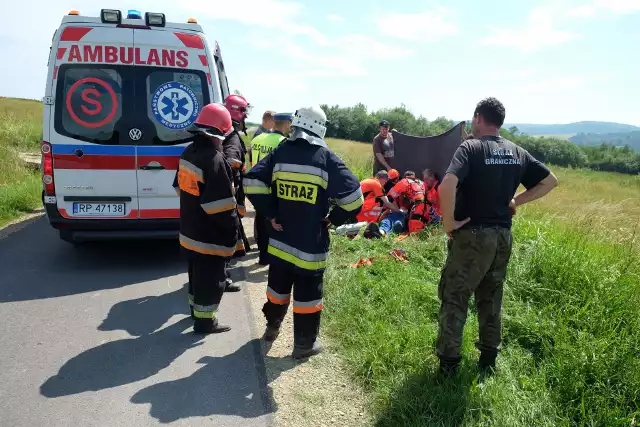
x,y
234,152
208,219
296,184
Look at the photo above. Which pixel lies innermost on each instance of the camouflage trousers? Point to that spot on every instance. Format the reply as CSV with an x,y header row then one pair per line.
x,y
476,265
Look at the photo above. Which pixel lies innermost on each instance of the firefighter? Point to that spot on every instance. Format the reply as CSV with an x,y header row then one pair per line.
x,y
293,187
374,198
261,147
406,194
235,153
208,218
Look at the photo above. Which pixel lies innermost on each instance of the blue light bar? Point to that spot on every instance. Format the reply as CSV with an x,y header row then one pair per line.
x,y
134,14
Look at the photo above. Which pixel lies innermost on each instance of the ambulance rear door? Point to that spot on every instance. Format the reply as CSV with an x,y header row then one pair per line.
x,y
93,94
173,84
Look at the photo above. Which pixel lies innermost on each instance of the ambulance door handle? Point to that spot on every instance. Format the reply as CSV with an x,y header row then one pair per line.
x,y
151,167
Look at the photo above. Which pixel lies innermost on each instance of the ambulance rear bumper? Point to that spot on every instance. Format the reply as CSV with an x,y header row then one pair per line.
x,y
80,230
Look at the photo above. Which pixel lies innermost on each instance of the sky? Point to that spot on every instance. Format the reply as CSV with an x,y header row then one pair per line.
x,y
555,61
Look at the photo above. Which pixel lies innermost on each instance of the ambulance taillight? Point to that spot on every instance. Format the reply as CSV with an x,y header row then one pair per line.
x,y
110,16
47,169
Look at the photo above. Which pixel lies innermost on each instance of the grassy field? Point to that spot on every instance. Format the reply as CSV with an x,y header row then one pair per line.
x,y
20,131
571,328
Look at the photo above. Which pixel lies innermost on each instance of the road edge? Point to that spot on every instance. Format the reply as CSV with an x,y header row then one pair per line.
x,y
260,365
20,223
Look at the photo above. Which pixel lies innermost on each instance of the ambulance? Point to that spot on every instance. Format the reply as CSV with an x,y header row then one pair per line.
x,y
121,92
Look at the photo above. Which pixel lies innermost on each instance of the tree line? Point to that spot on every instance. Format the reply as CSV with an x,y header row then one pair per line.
x,y
357,123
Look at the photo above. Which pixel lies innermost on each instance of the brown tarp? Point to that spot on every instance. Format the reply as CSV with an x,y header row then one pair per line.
x,y
417,153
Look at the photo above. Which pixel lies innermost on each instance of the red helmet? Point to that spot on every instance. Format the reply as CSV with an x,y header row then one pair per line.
x,y
393,173
213,117
238,106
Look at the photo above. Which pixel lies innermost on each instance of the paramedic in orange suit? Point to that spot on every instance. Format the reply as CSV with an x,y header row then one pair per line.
x,y
374,199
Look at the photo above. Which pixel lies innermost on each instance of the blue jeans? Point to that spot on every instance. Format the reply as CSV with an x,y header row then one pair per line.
x,y
393,221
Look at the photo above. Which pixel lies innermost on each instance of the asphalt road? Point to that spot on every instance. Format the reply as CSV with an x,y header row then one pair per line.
x,y
99,335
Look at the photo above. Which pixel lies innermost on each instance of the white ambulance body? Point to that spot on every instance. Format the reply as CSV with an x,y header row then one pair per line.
x,y
121,92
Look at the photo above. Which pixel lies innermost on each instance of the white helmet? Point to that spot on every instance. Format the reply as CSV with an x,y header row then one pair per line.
x,y
312,119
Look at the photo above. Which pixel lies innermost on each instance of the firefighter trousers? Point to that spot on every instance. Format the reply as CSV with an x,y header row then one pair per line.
x,y
206,285
307,300
262,226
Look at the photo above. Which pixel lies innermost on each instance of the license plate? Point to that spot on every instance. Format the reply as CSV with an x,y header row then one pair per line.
x,y
99,209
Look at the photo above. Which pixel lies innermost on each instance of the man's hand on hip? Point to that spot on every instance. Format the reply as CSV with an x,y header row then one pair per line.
x,y
452,225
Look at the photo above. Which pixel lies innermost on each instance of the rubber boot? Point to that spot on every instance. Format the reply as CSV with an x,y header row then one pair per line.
x,y
487,361
307,348
209,326
448,368
230,286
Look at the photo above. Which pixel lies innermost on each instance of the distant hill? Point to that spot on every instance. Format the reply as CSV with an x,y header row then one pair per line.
x,y
573,128
617,138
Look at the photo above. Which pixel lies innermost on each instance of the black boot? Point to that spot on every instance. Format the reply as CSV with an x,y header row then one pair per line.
x,y
304,351
487,361
303,348
209,326
448,368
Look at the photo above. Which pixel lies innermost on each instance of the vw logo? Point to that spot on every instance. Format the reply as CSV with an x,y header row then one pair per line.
x,y
135,134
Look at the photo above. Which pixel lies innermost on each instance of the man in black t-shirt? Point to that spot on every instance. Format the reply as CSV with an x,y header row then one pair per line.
x,y
477,201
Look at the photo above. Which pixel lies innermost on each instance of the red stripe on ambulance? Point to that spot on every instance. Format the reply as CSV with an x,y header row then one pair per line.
x,y
74,34
204,60
61,51
94,162
159,213
190,40
128,55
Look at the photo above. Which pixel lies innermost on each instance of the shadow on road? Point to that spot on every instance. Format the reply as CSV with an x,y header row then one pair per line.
x,y
257,273
121,362
214,389
38,265
143,316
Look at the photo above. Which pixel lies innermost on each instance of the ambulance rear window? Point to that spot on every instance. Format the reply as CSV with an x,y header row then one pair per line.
x,y
89,103
174,99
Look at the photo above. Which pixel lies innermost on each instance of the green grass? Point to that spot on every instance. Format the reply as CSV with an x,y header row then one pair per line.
x,y
20,131
571,331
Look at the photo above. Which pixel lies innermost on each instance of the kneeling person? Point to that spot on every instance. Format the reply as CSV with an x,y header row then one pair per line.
x,y
374,198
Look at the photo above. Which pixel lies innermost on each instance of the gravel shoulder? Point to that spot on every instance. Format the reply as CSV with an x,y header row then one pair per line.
x,y
314,392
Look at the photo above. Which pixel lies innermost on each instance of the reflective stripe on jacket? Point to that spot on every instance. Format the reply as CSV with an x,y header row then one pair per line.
x,y
208,219
296,184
